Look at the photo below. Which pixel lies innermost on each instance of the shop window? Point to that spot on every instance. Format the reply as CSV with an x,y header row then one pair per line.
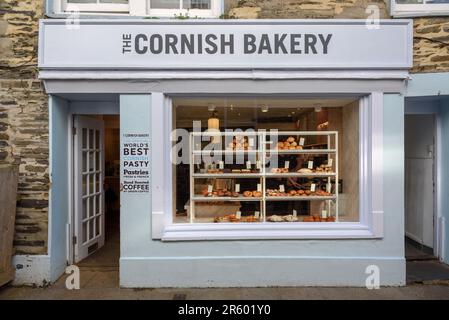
x,y
410,8
266,161
154,8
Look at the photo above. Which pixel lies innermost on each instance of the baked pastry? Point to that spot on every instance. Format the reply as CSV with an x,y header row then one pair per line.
x,y
247,194
257,194
275,218
291,139
293,192
309,219
290,218
305,170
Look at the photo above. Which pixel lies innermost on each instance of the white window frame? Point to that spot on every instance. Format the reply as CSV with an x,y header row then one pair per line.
x,y
213,12
137,8
94,7
419,10
370,224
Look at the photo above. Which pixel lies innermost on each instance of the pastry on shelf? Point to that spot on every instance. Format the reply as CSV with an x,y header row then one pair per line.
x,y
287,218
279,170
305,170
289,144
220,193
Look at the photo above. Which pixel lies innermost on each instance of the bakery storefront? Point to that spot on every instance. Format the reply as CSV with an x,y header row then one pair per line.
x,y
248,153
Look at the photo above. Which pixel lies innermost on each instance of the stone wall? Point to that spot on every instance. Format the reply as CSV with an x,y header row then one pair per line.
x,y
24,121
303,9
431,45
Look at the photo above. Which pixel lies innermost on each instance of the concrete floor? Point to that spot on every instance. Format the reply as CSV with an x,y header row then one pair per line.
x,y
426,278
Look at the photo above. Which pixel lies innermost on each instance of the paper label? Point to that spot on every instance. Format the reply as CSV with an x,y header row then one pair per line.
x,y
324,214
310,165
329,187
209,188
257,214
248,165
251,142
237,187
312,187
330,162
259,187
302,141
287,164
238,214
258,164
281,188
295,214
221,165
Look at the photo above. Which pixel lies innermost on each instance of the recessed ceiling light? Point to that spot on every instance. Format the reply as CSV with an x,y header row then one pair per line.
x,y
264,108
211,107
318,108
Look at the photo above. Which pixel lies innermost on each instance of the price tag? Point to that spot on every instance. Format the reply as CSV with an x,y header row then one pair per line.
x,y
238,214
329,187
237,187
330,162
312,187
257,214
248,165
302,141
221,165
295,214
324,214
258,164
251,142
209,188
259,187
310,165
287,164
281,188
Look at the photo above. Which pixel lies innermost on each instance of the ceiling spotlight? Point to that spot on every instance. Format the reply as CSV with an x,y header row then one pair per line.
x,y
232,107
318,108
264,108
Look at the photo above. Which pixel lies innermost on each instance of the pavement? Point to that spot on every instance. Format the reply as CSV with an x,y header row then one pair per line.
x,y
102,283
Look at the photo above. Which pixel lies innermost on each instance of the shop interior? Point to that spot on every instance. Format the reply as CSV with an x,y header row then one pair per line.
x,y
233,185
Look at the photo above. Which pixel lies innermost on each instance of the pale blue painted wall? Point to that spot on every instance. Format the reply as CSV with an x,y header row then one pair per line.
x,y
444,114
137,245
59,194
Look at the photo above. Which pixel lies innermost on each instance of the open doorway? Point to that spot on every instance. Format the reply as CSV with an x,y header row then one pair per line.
x,y
420,186
96,190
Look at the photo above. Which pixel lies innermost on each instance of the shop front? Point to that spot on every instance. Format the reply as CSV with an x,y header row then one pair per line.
x,y
251,153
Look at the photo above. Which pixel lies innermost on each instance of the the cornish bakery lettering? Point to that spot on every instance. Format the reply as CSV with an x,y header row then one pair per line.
x,y
182,44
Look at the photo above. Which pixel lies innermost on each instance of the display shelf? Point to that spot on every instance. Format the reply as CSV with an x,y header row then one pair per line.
x,y
300,198
299,175
263,154
304,151
227,175
212,199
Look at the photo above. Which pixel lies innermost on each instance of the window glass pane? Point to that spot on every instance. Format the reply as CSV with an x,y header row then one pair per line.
x,y
311,169
409,1
97,226
97,139
165,4
85,231
84,161
91,207
91,184
84,208
97,161
91,229
196,4
91,161
97,204
97,183
114,1
84,138
91,139
85,177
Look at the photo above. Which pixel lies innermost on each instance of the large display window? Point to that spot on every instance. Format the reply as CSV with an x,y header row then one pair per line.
x,y
266,160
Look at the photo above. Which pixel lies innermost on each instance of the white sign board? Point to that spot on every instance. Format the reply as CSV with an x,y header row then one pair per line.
x,y
224,44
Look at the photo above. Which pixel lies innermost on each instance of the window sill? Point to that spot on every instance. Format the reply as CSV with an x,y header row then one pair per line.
x,y
267,231
415,14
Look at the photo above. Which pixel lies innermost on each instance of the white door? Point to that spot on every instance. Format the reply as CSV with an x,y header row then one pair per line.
x,y
88,190
419,178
